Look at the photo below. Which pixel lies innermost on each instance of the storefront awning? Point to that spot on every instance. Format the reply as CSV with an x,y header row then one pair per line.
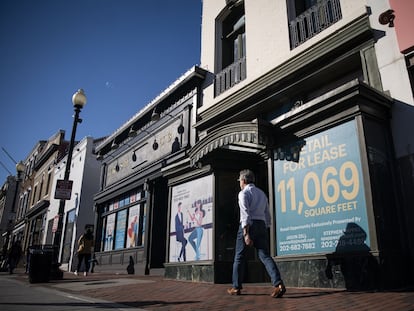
x,y
253,136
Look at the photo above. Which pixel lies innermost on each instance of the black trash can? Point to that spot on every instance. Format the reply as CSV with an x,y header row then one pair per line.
x,y
40,263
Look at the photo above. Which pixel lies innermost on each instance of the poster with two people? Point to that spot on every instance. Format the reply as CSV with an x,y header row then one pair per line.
x,y
191,221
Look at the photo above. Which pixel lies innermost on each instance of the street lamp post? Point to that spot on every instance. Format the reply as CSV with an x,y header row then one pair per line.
x,y
78,100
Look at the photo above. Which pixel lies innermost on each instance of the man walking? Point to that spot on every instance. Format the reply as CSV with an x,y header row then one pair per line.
x,y
254,221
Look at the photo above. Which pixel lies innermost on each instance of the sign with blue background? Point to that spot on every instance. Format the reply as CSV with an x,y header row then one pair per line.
x,y
320,200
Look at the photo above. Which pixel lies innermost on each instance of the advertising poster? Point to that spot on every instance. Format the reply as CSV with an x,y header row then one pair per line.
x,y
109,233
120,229
144,223
133,226
191,223
133,198
320,200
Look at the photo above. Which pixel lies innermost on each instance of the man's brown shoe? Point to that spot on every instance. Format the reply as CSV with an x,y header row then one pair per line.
x,y
233,291
279,291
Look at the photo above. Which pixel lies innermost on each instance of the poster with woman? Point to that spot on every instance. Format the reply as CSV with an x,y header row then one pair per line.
x,y
191,221
133,226
109,233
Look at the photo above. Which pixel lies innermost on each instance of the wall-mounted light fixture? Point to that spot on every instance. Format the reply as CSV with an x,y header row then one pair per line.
x,y
99,156
134,156
155,115
132,132
114,145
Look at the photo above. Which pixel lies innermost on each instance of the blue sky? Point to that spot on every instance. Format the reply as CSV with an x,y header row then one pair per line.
x,y
123,53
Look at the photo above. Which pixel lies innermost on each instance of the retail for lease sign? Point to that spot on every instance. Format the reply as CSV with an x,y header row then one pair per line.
x,y
320,200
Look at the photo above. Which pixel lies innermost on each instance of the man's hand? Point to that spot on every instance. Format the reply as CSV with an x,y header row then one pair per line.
x,y
246,235
248,240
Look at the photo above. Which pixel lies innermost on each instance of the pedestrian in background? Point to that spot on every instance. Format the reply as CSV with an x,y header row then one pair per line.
x,y
85,245
15,252
254,221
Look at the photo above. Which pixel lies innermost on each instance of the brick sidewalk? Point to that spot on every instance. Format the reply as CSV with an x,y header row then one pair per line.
x,y
156,293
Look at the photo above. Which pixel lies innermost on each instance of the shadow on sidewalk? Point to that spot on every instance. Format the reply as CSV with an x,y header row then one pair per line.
x,y
158,303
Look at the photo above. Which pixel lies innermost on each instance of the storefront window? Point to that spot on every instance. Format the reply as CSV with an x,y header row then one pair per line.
x,y
124,227
133,227
133,198
120,229
109,232
143,220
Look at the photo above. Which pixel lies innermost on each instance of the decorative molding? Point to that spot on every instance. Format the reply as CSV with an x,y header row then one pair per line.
x,y
256,136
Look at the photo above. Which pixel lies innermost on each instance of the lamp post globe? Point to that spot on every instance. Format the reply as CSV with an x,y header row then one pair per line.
x,y
20,167
79,99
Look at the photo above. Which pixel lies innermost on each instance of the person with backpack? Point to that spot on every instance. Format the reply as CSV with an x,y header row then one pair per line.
x,y
85,246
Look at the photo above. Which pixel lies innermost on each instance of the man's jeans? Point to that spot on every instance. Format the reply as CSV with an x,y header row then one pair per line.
x,y
258,233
